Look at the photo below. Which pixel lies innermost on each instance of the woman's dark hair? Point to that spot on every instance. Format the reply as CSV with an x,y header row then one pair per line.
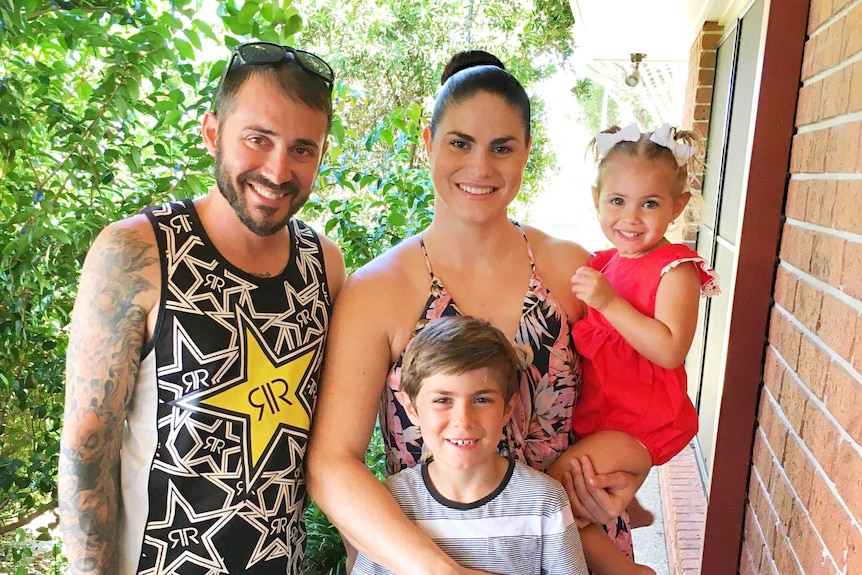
x,y
468,59
482,77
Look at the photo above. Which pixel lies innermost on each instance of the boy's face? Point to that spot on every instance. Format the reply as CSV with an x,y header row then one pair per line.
x,y
461,416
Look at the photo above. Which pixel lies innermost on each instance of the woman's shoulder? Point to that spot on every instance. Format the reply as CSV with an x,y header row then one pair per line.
x,y
544,244
556,261
392,279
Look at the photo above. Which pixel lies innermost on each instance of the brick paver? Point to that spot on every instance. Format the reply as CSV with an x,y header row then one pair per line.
x,y
684,509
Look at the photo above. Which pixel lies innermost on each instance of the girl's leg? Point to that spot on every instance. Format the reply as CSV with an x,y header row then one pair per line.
x,y
609,451
603,557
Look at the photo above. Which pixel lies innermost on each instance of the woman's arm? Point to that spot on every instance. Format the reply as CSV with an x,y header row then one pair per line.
x,y
598,498
358,355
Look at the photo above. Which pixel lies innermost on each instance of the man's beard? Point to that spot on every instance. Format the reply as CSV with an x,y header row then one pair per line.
x,y
263,227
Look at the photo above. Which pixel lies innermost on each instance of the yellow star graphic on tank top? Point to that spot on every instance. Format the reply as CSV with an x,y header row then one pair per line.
x,y
267,397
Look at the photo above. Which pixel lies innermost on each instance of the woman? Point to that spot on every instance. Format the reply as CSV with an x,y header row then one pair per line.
x,y
515,277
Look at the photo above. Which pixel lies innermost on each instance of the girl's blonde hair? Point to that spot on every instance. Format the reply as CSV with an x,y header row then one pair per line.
x,y
686,174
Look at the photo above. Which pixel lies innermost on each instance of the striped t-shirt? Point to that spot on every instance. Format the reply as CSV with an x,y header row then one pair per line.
x,y
524,527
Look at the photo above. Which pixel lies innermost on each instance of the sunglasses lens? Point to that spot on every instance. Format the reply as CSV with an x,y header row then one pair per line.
x,y
260,53
315,64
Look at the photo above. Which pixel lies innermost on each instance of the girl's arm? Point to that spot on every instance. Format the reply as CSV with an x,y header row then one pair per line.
x,y
664,339
357,360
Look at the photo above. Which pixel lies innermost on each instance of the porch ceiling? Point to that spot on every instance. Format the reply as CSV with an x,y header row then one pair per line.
x,y
608,32
664,30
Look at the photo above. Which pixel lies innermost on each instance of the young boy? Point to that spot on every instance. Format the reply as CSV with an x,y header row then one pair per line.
x,y
459,377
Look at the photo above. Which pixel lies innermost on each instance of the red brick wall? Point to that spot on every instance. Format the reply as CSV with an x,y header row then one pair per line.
x,y
701,77
805,491
698,98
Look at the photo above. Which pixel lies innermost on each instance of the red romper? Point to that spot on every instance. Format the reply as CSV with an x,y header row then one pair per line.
x,y
622,390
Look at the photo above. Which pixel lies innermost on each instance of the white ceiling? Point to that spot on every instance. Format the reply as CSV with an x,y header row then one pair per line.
x,y
664,30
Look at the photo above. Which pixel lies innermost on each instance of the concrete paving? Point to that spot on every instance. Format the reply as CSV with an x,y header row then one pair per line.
x,y
649,542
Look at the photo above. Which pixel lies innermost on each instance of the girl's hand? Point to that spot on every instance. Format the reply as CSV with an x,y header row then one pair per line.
x,y
593,288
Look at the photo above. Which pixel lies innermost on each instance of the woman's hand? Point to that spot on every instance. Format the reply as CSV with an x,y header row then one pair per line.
x,y
598,498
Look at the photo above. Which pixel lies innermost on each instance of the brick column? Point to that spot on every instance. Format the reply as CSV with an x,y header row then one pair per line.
x,y
698,104
701,77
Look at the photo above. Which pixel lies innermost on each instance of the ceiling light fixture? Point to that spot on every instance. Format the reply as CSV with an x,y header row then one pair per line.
x,y
635,77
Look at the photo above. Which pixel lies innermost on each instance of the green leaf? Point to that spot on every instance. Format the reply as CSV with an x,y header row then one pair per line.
x,y
247,13
193,37
184,48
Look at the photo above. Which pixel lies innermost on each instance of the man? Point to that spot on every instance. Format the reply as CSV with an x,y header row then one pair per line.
x,y
196,345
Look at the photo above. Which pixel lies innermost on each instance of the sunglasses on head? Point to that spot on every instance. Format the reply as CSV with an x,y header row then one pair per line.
x,y
270,53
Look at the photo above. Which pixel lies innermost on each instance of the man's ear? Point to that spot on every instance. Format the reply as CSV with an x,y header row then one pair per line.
x,y
323,152
209,131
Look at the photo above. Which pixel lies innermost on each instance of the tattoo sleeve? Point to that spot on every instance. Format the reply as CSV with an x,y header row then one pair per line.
x,y
107,335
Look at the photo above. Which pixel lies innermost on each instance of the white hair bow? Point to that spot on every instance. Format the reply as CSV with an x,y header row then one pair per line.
x,y
663,136
605,140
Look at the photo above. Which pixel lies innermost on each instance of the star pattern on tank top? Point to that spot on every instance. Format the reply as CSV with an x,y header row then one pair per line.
x,y
264,398
236,385
187,536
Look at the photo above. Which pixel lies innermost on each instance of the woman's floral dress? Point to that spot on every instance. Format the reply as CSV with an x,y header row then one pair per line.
x,y
541,425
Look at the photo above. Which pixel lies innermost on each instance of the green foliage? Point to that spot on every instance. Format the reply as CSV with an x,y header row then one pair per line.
x,y
391,53
83,114
590,96
33,552
379,191
100,104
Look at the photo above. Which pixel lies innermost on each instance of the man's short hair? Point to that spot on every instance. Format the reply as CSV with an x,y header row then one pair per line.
x,y
290,78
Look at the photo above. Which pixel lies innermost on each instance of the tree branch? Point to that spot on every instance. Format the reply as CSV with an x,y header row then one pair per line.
x,y
41,510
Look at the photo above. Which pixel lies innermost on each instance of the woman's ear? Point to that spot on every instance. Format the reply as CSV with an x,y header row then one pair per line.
x,y
426,135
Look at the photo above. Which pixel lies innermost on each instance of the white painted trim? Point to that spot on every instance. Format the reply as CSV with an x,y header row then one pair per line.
x,y
830,176
829,352
829,71
823,287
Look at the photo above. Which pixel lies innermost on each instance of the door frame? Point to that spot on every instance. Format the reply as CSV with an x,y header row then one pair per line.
x,y
773,127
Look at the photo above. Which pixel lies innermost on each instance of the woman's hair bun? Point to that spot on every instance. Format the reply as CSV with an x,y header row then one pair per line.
x,y
468,59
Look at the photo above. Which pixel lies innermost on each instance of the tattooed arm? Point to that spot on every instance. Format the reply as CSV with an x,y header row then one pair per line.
x,y
117,297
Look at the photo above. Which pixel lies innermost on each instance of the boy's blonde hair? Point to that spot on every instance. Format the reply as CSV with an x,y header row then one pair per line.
x,y
456,345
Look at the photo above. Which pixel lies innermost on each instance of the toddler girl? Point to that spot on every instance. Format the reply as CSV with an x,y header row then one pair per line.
x,y
642,298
